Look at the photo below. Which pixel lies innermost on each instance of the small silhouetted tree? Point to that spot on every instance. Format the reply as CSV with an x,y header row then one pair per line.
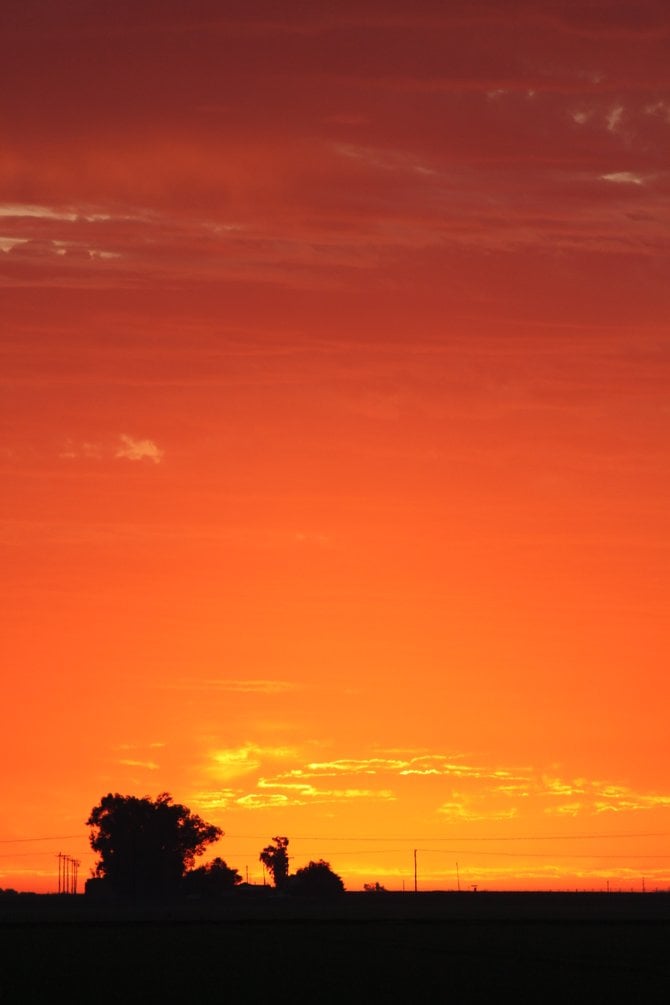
x,y
211,880
275,858
146,845
316,879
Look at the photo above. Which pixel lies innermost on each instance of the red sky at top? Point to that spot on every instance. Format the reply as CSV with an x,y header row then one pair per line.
x,y
334,432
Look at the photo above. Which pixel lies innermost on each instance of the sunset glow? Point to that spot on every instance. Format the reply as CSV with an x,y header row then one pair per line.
x,y
335,433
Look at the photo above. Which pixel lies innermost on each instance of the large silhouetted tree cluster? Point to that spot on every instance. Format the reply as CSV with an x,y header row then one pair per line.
x,y
146,845
147,848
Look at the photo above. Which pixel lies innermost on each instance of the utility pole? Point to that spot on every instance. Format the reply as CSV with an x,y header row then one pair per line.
x,y
415,882
68,870
458,878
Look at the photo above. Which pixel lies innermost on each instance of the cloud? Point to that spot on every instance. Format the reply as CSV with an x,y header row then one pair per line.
x,y
484,792
232,762
613,118
86,450
60,255
567,809
273,794
312,793
217,799
560,788
251,686
458,789
462,807
354,207
423,764
661,108
347,765
149,765
138,450
234,685
261,800
618,799
18,210
44,232
129,449
9,243
35,248
623,178
384,160
311,538
585,796
236,762
153,745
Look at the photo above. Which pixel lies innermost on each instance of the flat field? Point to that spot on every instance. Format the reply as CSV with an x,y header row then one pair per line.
x,y
367,948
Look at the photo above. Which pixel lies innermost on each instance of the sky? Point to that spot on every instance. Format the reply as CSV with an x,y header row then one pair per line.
x,y
334,444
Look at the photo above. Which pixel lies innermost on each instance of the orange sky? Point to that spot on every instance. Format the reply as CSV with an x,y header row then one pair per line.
x,y
334,432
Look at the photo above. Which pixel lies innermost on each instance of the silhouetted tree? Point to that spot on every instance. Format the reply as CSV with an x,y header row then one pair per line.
x,y
316,879
211,880
146,845
275,858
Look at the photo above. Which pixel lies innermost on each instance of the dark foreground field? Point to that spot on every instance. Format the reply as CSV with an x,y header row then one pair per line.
x,y
369,948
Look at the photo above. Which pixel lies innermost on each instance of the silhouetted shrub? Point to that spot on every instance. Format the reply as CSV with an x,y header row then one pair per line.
x,y
316,879
211,880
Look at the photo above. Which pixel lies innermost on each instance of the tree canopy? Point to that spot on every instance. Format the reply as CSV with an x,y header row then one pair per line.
x,y
275,858
211,880
146,845
316,879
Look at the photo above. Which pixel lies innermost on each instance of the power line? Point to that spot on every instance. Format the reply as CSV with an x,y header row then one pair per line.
x,y
533,854
24,854
57,837
473,852
389,837
443,838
